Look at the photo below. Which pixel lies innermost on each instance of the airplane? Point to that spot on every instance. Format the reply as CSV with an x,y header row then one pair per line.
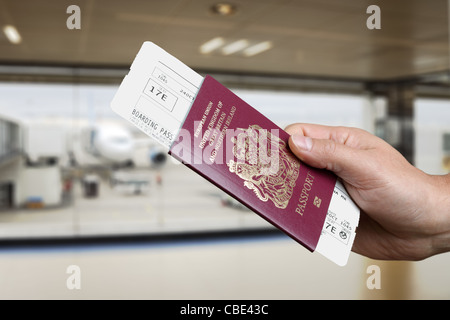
x,y
116,146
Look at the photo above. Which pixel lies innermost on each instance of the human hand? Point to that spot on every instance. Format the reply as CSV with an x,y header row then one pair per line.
x,y
405,213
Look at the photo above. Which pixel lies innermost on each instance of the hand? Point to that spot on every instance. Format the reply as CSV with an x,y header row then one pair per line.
x,y
405,213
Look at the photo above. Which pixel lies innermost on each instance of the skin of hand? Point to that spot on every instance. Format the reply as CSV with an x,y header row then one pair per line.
x,y
405,213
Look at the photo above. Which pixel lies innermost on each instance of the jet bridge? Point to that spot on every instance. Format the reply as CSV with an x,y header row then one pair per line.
x,y
28,177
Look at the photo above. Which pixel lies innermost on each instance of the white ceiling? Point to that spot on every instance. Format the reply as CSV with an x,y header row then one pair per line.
x,y
326,38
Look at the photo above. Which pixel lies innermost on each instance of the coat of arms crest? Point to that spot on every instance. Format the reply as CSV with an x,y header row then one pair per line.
x,y
265,164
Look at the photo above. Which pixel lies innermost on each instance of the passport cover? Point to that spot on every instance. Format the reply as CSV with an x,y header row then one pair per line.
x,y
242,152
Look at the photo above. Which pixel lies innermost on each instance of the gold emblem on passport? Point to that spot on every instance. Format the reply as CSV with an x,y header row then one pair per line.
x,y
317,202
265,164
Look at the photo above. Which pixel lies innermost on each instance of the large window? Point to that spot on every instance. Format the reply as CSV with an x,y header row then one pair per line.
x,y
432,126
78,190
65,186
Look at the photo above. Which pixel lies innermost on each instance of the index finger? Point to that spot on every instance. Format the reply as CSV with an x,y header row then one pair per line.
x,y
316,131
343,135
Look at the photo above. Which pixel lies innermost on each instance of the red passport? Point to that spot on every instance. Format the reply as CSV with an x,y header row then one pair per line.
x,y
238,149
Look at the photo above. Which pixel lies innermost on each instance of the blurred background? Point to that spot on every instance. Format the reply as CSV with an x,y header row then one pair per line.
x,y
80,186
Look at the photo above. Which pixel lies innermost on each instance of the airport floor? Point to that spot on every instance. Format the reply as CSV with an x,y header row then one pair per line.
x,y
182,202
177,262
260,267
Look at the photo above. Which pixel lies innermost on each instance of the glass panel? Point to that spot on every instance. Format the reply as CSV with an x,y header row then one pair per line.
x,y
80,187
432,118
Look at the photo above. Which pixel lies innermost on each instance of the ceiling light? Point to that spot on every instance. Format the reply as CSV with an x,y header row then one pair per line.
x,y
235,47
223,9
12,34
212,45
257,48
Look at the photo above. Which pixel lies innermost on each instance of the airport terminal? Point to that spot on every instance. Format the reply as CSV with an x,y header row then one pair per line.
x,y
94,207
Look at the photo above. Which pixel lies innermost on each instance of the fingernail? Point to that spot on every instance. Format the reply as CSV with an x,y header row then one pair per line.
x,y
302,142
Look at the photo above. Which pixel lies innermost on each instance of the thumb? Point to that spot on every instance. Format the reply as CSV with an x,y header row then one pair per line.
x,y
325,154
